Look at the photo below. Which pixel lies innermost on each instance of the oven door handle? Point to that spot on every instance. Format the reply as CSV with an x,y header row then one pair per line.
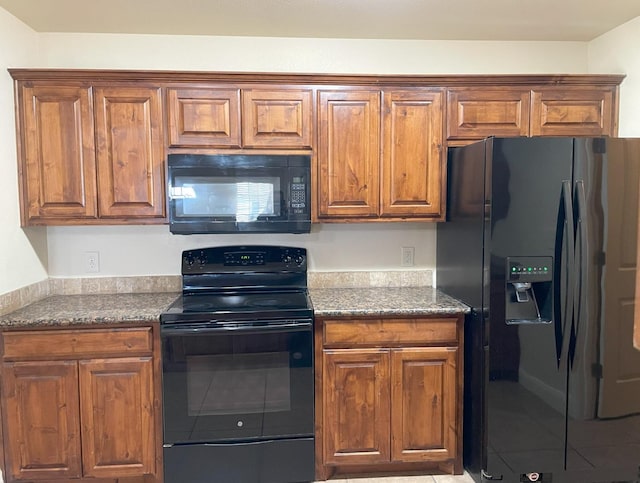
x,y
218,327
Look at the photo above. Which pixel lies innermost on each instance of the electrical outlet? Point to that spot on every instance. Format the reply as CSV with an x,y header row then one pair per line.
x,y
91,262
407,255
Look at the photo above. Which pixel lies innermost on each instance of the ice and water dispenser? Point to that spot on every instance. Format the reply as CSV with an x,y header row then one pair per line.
x,y
529,290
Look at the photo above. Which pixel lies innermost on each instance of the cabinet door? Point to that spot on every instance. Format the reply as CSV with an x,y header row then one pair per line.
x,y
130,152
573,112
204,117
412,154
479,113
277,118
424,404
41,420
356,406
116,404
58,167
349,154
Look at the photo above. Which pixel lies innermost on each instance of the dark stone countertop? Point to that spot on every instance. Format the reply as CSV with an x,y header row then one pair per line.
x,y
85,310
384,301
75,310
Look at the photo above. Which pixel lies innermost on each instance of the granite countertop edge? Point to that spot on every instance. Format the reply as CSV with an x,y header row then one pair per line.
x,y
102,309
384,301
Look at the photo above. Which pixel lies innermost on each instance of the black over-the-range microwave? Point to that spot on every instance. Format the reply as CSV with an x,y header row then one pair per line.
x,y
250,193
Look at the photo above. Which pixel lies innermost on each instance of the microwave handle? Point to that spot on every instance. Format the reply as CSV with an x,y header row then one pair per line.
x,y
186,329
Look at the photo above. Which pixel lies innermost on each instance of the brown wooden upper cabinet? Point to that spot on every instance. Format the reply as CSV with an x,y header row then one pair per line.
x,y
230,117
92,144
130,152
478,113
90,155
475,113
573,112
204,117
379,154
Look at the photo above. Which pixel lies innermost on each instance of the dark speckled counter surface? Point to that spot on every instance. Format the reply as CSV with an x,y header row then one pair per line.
x,y
383,301
73,310
78,310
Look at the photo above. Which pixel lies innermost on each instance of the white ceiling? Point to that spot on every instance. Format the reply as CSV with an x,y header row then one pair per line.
x,y
579,20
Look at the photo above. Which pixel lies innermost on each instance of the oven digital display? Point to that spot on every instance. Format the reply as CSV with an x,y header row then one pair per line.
x,y
232,259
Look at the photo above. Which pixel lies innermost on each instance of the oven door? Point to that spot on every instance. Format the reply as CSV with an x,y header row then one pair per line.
x,y
237,382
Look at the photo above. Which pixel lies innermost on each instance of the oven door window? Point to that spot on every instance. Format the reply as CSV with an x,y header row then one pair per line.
x,y
242,198
229,387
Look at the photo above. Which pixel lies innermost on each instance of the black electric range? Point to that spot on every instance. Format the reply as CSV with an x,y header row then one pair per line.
x,y
237,350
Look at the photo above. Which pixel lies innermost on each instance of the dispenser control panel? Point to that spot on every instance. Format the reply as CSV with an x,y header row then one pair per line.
x,y
529,269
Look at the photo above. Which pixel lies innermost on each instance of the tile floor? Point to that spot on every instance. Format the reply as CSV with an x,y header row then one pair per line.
x,y
410,479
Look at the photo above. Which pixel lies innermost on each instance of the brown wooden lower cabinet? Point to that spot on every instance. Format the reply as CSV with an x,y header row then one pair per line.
x,y
388,395
68,416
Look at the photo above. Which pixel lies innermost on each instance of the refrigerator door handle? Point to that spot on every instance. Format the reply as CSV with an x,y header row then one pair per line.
x,y
565,245
582,252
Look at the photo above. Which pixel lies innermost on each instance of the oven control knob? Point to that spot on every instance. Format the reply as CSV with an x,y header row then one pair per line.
x,y
299,260
287,259
240,424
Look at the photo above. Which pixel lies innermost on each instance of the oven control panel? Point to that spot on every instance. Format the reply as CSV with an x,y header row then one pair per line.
x,y
258,258
243,258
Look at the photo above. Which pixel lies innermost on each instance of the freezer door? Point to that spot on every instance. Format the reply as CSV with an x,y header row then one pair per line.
x,y
526,390
604,383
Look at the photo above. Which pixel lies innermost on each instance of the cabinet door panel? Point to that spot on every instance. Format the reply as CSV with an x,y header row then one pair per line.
x,y
478,113
277,118
424,401
116,403
356,406
412,153
573,112
59,178
130,154
349,153
42,428
207,117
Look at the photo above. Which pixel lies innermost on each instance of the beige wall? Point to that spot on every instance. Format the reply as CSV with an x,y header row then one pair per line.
x,y
617,51
23,253
152,250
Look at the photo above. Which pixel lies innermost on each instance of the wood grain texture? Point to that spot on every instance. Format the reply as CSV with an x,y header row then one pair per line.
x,y
477,113
349,153
412,153
116,403
87,408
389,332
356,407
130,152
370,165
573,112
277,118
75,343
393,408
203,117
58,163
41,420
424,426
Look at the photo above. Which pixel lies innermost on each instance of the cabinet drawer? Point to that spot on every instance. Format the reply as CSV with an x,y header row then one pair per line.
x,y
389,332
78,343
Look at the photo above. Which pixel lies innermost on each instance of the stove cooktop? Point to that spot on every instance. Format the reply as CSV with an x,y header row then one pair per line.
x,y
213,307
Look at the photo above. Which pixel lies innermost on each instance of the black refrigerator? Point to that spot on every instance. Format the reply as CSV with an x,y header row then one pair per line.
x,y
541,240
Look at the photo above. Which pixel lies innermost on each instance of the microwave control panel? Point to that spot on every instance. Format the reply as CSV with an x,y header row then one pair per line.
x,y
298,195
